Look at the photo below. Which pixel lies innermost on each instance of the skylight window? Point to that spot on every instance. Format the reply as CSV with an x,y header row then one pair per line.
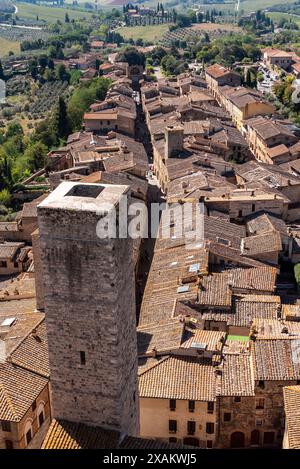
x,y
194,267
183,289
8,322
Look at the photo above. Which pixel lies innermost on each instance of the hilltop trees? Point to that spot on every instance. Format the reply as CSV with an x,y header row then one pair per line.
x,y
83,97
132,56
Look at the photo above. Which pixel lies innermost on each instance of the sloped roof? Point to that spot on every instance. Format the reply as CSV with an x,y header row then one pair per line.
x,y
237,377
291,395
63,434
18,390
179,378
274,360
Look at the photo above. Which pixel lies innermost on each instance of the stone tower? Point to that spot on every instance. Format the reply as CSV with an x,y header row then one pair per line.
x,y
89,291
173,140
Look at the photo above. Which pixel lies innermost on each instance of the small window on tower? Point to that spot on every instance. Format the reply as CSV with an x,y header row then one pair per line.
x,y
82,358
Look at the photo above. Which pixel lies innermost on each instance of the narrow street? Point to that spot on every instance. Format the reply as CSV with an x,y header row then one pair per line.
x,y
154,196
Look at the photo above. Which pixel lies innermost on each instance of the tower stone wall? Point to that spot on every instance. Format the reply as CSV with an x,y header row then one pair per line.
x,y
89,292
174,140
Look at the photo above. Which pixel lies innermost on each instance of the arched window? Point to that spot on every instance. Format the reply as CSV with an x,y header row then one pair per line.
x,y
237,440
28,432
41,413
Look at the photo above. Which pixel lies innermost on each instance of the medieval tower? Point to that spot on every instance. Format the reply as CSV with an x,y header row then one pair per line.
x,y
89,296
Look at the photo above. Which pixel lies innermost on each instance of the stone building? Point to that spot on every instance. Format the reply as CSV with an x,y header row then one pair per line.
x,y
216,75
270,140
14,258
276,57
90,309
25,412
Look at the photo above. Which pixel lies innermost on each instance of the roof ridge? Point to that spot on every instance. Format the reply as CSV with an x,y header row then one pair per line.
x,y
154,365
26,336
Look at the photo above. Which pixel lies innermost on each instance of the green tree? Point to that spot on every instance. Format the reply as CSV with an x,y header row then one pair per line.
x,y
62,73
169,64
14,129
45,134
132,56
2,77
83,97
60,120
5,197
35,155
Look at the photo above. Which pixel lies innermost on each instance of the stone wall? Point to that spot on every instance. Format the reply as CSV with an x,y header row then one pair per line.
x,y
90,316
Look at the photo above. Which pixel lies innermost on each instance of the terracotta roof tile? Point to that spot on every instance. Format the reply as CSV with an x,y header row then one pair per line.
x,y
179,378
237,377
291,396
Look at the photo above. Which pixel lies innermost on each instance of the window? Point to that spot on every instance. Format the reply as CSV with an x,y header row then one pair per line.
x,y
191,427
9,444
172,426
261,384
255,436
227,417
172,439
210,427
41,413
258,423
16,265
5,424
172,404
210,407
82,358
260,403
269,438
209,444
3,264
253,207
33,407
28,436
41,418
191,406
236,399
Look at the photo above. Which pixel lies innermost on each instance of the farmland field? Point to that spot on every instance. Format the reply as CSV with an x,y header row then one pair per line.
x,y
147,33
276,16
50,14
7,46
246,6
252,5
210,27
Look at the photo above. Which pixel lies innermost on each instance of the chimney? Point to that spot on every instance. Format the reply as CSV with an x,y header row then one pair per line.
x,y
173,140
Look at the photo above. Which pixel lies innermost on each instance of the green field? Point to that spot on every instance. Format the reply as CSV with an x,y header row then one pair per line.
x,y
245,6
49,14
253,5
276,16
148,33
7,46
